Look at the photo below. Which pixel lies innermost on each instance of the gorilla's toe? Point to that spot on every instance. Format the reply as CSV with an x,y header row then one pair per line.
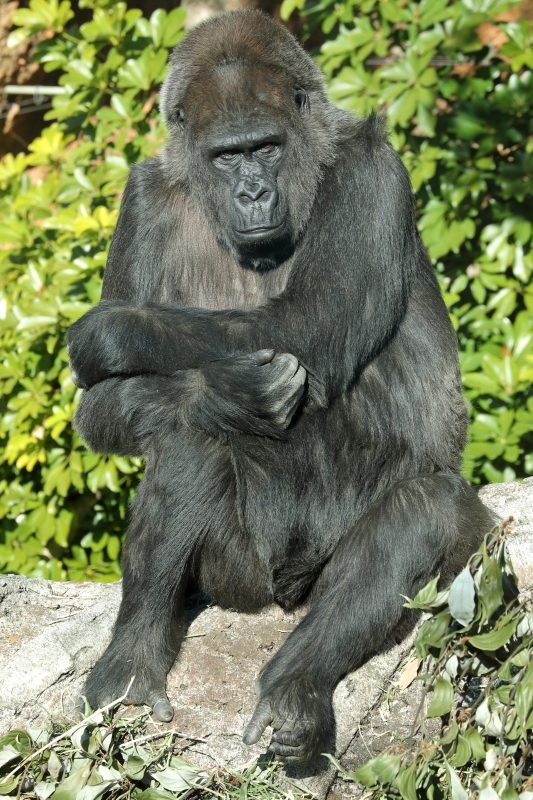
x,y
290,746
162,710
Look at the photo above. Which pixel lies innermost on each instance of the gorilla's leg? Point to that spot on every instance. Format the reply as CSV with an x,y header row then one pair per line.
x,y
418,527
187,491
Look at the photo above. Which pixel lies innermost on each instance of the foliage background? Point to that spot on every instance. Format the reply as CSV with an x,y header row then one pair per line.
x,y
456,81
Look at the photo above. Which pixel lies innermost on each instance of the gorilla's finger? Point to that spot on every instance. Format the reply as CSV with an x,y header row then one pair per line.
x,y
289,754
261,718
287,365
261,357
291,738
300,376
296,397
162,710
289,407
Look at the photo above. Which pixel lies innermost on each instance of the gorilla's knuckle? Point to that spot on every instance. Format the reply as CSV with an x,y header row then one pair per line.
x,y
301,376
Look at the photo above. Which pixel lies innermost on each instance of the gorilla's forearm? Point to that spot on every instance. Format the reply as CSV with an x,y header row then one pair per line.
x,y
120,415
255,394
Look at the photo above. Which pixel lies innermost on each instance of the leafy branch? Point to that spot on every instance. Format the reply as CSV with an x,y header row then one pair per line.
x,y
479,644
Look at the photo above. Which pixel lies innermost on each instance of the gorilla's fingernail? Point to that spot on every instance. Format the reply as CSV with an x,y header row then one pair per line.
x,y
251,737
163,711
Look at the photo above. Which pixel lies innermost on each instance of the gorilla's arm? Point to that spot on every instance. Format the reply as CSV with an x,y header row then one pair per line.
x,y
255,394
347,293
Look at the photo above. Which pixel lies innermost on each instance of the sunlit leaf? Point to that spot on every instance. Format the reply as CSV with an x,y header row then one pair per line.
x,y
462,597
442,698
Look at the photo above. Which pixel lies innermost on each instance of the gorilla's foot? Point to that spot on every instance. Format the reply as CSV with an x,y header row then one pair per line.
x,y
302,719
112,676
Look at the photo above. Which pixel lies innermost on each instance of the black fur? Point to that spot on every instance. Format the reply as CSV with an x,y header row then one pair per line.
x,y
272,339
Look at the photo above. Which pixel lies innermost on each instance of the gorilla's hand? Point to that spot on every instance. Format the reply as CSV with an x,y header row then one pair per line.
x,y
256,394
302,718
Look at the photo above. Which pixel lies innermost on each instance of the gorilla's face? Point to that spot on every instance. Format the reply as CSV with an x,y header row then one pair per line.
x,y
244,141
246,166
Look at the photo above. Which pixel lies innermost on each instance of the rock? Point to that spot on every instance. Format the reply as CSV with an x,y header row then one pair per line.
x,y
51,634
516,500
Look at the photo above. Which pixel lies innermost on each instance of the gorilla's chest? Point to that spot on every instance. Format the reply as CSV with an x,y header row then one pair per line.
x,y
229,285
198,272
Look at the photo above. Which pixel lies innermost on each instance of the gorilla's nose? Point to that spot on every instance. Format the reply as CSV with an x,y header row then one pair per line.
x,y
252,191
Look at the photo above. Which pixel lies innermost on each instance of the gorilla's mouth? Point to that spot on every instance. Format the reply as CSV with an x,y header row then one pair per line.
x,y
260,232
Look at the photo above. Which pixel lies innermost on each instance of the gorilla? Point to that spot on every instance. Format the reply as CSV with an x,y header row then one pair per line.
x,y
272,340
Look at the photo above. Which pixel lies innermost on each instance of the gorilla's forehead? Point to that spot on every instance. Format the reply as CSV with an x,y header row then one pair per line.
x,y
238,93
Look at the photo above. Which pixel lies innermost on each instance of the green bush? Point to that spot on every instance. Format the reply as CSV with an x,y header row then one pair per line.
x,y
64,509
476,650
460,115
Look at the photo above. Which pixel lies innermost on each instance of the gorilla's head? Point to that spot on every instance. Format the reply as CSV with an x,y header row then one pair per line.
x,y
251,130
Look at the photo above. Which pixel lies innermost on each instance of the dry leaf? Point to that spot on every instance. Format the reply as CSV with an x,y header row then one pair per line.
x,y
488,33
408,673
464,70
523,11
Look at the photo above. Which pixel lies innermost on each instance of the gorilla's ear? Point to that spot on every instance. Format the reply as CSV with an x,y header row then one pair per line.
x,y
301,98
179,119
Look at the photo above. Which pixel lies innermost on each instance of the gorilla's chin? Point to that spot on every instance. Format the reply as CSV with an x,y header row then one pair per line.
x,y
264,249
264,256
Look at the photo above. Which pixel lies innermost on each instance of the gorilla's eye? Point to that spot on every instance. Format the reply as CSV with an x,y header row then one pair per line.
x,y
227,155
266,149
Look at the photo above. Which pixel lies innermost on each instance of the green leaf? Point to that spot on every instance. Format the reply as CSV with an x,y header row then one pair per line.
x,y
524,698
180,775
490,589
476,743
406,782
93,792
8,754
462,753
8,785
157,26
69,788
378,771
174,27
403,108
457,790
510,794
432,633
462,597
495,639
442,698
425,596
135,767
17,738
121,105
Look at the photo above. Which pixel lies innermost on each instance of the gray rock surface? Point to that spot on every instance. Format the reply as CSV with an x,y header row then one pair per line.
x,y
516,500
51,634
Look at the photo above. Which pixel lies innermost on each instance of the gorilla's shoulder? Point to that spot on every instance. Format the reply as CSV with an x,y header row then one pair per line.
x,y
150,181
370,132
367,148
149,174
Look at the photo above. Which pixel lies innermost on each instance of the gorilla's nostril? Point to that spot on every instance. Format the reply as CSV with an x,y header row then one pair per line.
x,y
253,193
